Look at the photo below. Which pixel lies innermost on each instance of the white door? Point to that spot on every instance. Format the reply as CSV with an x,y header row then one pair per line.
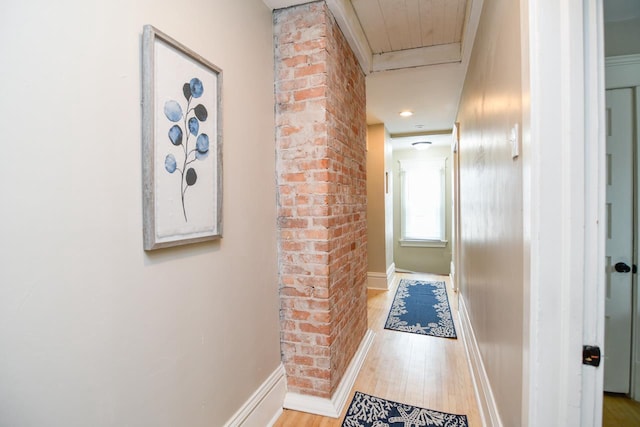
x,y
619,245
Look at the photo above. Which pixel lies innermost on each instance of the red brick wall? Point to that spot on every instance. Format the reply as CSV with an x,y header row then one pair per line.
x,y
321,131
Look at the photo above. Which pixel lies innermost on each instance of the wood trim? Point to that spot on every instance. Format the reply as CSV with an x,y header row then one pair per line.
x,y
381,281
377,280
484,395
264,406
348,22
421,133
594,184
391,274
418,57
281,4
311,404
565,71
622,71
452,276
622,60
470,29
635,349
333,407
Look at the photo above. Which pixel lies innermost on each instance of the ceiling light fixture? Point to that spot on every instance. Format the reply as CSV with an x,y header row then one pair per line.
x,y
406,113
421,145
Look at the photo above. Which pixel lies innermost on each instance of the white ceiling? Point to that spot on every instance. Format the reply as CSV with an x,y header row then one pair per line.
x,y
414,53
404,142
431,93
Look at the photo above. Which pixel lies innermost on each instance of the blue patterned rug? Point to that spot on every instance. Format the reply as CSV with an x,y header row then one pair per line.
x,y
421,307
371,411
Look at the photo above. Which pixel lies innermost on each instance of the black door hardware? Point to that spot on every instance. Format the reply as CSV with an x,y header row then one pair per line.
x,y
621,267
591,355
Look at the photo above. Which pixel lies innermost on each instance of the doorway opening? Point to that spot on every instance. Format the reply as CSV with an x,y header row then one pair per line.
x,y
421,191
622,340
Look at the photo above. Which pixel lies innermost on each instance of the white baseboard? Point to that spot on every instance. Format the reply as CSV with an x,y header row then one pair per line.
x,y
381,281
333,407
453,277
377,280
264,407
391,274
484,395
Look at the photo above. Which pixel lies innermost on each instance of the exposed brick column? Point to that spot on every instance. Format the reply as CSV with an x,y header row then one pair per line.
x,y
321,140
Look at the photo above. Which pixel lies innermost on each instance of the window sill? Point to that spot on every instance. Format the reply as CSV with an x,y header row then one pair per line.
x,y
423,243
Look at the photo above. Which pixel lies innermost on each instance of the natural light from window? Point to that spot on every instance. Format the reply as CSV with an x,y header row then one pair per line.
x,y
422,202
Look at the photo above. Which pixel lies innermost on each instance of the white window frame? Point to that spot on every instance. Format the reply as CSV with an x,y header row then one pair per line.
x,y
404,165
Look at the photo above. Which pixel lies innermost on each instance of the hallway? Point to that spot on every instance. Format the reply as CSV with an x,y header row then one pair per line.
x,y
419,370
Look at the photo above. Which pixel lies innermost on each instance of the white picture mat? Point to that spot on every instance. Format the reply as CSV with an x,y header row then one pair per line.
x,y
172,70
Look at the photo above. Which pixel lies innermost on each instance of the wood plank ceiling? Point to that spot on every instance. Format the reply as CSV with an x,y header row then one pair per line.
x,y
393,25
396,34
407,49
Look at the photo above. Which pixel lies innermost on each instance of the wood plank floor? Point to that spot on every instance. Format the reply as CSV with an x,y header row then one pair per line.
x,y
419,370
620,411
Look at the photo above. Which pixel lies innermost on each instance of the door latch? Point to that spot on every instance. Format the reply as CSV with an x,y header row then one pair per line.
x,y
622,267
591,355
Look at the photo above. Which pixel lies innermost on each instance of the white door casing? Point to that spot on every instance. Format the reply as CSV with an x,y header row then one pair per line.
x,y
619,243
455,208
564,196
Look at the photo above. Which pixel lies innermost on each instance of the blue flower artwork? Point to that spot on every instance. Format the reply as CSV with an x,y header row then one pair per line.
x,y
187,125
181,143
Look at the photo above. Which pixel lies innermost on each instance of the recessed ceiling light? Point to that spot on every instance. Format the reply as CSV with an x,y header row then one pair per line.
x,y
406,113
421,145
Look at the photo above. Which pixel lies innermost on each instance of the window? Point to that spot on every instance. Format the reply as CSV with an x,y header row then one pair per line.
x,y
422,202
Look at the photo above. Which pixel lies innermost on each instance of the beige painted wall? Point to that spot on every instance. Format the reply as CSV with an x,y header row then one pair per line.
x,y
93,330
375,199
379,200
428,260
491,273
388,203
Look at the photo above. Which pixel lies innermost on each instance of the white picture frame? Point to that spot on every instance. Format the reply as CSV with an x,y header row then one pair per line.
x,y
181,144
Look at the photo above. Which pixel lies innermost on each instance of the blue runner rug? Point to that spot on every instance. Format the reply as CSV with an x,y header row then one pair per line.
x,y
421,307
371,411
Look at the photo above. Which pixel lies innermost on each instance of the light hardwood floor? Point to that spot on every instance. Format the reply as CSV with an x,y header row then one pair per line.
x,y
620,411
419,370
